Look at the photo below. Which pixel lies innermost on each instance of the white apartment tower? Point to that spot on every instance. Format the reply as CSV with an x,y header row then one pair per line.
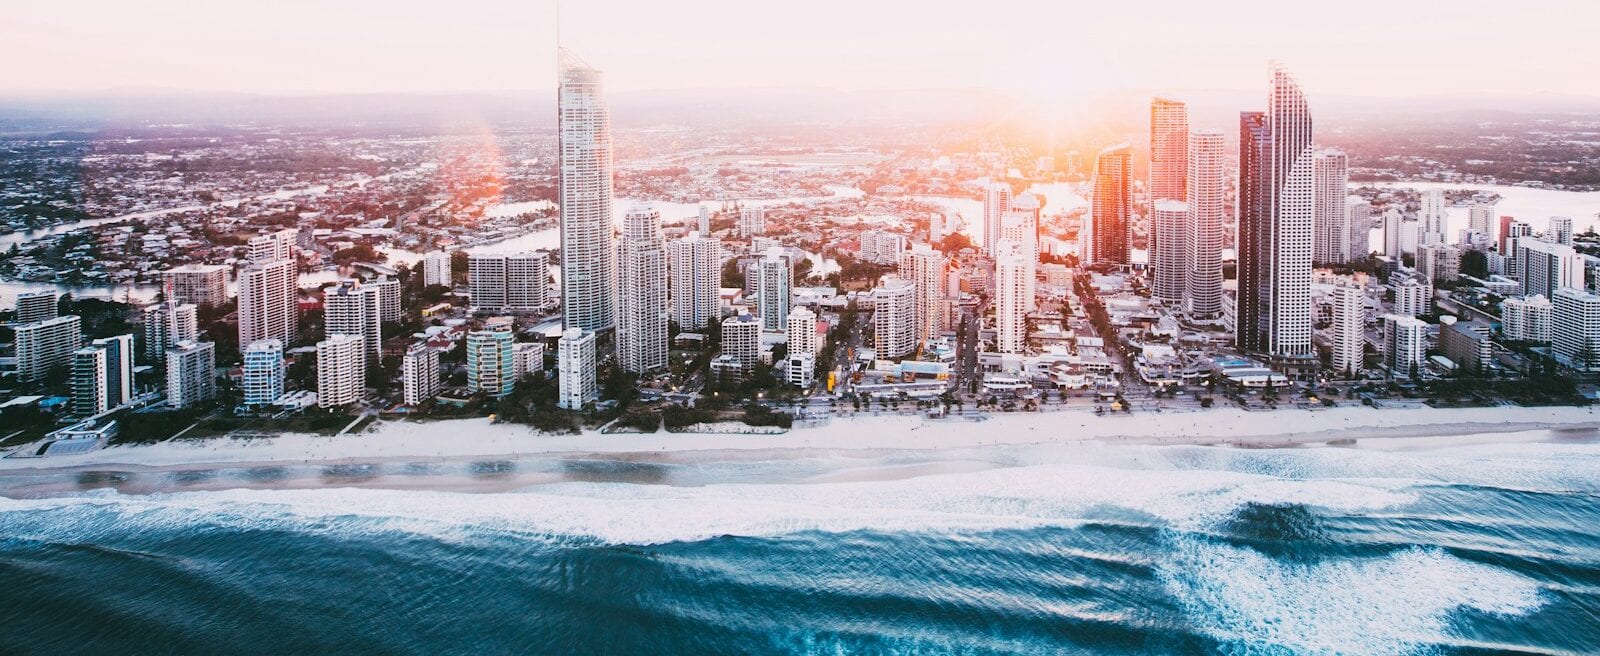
x,y
267,295
419,373
1526,319
388,298
642,315
576,370
773,298
1349,326
263,377
43,345
1169,156
996,202
803,337
1543,267
491,359
1170,256
513,283
588,254
204,285
1289,195
436,269
1480,218
36,306
352,308
925,268
1412,298
168,323
273,246
752,221
1358,214
1404,344
1560,231
102,375
191,373
1013,292
1432,216
1330,195
696,268
894,303
1203,282
1575,333
341,370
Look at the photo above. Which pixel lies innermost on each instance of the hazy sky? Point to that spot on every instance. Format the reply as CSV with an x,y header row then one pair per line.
x,y
1356,47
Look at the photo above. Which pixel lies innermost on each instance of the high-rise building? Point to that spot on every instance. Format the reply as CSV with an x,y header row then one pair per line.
x,y
1111,208
803,337
201,285
1413,298
705,220
880,246
1275,223
1480,218
167,323
191,373
1526,319
576,370
491,362
419,373
925,268
44,345
1513,231
36,306
272,247
1021,223
1394,226
341,370
436,269
752,221
741,340
773,297
1543,267
1560,231
1169,157
263,376
1349,326
1330,195
1439,262
102,375
1203,257
894,303
1013,294
642,315
1575,331
486,280
1358,214
1169,259
1404,344
388,298
996,202
588,254
268,292
1432,216
935,227
509,283
350,307
527,359
696,267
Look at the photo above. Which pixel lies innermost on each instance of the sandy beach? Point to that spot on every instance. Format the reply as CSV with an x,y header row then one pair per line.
x,y
478,439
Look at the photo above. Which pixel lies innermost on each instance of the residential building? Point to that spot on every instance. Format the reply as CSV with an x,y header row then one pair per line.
x,y
36,306
517,282
585,194
388,298
752,221
1013,293
491,361
741,340
1432,217
1405,343
1111,208
996,202
275,246
1526,319
642,315
1481,219
1575,332
1413,298
1206,183
576,370
1560,231
419,373
200,285
191,373
168,323
527,359
1358,214
44,345
1330,217
1349,329
1169,259
263,379
102,375
1169,141
880,246
926,269
350,307
436,269
1466,343
1275,224
1543,267
803,335
894,318
696,268
341,370
268,292
773,285
1439,262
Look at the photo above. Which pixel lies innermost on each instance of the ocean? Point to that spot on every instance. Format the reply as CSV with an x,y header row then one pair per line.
x,y
1085,549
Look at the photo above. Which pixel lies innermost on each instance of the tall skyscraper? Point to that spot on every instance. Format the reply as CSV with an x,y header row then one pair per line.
x,y
436,269
696,268
273,246
1349,328
1358,213
803,336
102,375
575,370
1394,226
588,254
419,373
1021,223
1481,218
894,317
44,345
388,298
1169,145
263,376
773,298
1013,294
191,373
510,283
1331,182
996,202
36,306
1169,254
1560,231
1111,208
1543,267
201,285
352,308
925,268
1203,296
167,323
642,317
1404,344
341,370
1432,216
267,295
1275,223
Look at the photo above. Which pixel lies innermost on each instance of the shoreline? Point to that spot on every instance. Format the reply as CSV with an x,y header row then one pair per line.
x,y
477,439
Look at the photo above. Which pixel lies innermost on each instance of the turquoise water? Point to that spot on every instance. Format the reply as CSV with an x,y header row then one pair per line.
x,y
1025,550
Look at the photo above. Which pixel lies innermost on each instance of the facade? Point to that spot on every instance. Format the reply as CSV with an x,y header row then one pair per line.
x,y
527,359
1169,141
773,297
588,251
1394,225
1466,343
436,269
576,370
274,246
996,202
880,246
1330,218
36,306
191,373
201,285
263,377
1413,298
1013,292
341,370
44,345
1560,231
1206,185
925,268
352,308
696,268
752,221
1349,326
1276,224
894,317
642,312
1358,214
1432,217
1405,343
509,283
1543,267
1021,223
741,340
803,337
1526,319
1254,299
168,323
1481,219
1575,334
491,363
1111,208
419,374
1439,262
800,370
388,298
268,292
102,375
1169,257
